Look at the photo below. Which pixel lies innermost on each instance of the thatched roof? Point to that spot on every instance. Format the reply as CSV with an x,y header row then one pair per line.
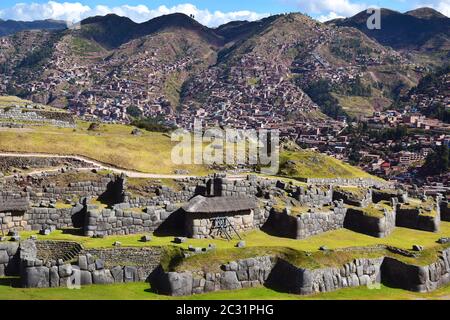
x,y
201,204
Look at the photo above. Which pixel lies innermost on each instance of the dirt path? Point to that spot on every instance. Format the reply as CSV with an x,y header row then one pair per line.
x,y
99,165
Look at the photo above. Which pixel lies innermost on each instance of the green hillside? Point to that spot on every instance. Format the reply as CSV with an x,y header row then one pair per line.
x,y
311,164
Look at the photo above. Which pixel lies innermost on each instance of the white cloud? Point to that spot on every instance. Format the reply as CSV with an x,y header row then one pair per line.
x,y
327,7
75,11
328,17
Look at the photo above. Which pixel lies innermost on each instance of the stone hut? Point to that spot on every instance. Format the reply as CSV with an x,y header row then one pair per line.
x,y
218,216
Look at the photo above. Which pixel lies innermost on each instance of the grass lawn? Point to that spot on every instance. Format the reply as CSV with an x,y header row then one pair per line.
x,y
111,144
141,291
150,152
8,101
114,145
342,238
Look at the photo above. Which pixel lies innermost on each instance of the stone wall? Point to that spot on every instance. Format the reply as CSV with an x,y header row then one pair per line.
x,y
271,272
306,224
47,250
7,163
58,119
199,226
93,266
291,279
38,218
145,260
74,189
121,220
240,274
14,201
350,199
445,211
221,187
357,182
379,227
313,196
417,278
9,260
381,195
413,219
283,276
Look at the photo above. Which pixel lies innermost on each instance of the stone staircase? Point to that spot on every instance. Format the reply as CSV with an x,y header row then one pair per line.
x,y
55,250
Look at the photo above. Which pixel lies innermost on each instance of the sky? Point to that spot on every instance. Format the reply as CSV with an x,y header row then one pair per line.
x,y
208,12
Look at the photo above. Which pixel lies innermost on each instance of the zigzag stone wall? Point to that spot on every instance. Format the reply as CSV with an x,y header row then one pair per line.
x,y
272,272
283,276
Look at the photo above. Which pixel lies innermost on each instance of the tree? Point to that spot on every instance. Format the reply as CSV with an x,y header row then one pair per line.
x,y
320,93
438,161
134,111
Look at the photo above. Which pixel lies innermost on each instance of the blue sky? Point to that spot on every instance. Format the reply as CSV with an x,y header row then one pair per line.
x,y
209,12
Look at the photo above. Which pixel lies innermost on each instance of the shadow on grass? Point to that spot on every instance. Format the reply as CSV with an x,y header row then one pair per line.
x,y
13,282
73,231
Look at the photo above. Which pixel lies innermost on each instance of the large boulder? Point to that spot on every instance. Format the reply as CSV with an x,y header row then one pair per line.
x,y
10,247
130,274
102,276
36,277
117,273
85,278
82,262
180,284
229,281
4,258
28,250
65,270
54,277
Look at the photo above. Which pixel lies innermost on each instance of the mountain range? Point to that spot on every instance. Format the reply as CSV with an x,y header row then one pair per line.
x,y
425,30
9,27
285,67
